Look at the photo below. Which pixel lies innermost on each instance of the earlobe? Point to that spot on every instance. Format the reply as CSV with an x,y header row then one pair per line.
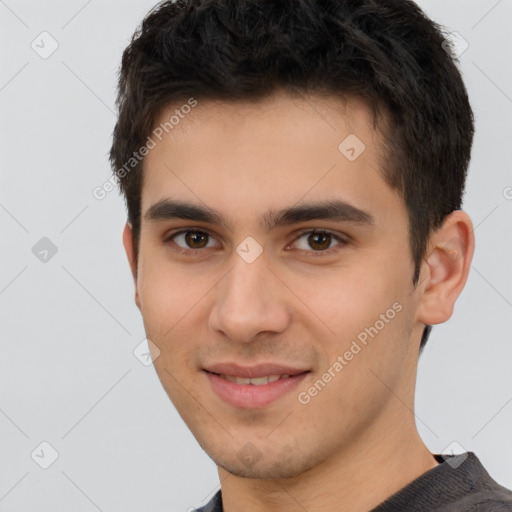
x,y
445,268
130,254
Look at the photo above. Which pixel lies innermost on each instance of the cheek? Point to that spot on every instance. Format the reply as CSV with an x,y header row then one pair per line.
x,y
360,390
349,299
167,308
166,294
368,315
173,305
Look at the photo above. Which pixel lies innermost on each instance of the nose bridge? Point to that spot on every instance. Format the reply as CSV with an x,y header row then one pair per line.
x,y
246,284
247,301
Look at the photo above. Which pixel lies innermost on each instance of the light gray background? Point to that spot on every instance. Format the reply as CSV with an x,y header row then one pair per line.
x,y
68,375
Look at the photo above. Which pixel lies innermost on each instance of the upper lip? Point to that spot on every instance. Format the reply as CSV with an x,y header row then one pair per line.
x,y
259,370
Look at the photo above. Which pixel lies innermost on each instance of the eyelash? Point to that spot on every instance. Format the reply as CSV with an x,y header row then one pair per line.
x,y
196,252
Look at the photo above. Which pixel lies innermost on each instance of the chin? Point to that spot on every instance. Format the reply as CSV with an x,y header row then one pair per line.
x,y
263,468
276,472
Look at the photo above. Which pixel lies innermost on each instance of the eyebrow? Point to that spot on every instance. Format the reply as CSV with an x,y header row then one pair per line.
x,y
336,210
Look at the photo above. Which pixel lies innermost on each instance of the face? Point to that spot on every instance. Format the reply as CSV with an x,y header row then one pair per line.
x,y
271,246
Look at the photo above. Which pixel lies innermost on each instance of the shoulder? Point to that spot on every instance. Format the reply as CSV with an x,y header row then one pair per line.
x,y
489,496
495,500
214,505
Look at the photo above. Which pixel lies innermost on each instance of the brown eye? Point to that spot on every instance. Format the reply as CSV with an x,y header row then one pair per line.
x,y
192,241
196,239
319,241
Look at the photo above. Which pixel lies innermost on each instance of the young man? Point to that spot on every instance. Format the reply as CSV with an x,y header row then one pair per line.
x,y
293,173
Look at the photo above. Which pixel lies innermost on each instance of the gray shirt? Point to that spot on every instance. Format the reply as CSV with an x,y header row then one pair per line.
x,y
458,484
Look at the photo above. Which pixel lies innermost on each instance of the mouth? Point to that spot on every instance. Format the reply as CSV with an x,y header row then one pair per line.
x,y
253,387
256,381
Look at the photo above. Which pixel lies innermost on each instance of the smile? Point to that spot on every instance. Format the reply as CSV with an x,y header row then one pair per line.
x,y
253,387
257,381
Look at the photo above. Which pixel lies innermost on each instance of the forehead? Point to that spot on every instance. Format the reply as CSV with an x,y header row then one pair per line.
x,y
243,155
232,118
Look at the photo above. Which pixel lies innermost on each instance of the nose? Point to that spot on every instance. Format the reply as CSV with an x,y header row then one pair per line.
x,y
250,300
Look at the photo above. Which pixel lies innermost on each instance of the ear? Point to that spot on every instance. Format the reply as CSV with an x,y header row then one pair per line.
x,y
446,267
130,254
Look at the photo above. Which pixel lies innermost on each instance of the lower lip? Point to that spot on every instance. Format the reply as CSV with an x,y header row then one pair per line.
x,y
249,395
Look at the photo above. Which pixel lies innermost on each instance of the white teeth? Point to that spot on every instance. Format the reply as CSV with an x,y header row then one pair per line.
x,y
259,381
256,381
237,380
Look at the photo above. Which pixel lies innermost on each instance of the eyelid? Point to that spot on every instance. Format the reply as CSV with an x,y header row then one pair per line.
x,y
336,234
168,237
341,238
178,231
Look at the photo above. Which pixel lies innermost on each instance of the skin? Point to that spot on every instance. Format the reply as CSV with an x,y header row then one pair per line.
x,y
356,442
